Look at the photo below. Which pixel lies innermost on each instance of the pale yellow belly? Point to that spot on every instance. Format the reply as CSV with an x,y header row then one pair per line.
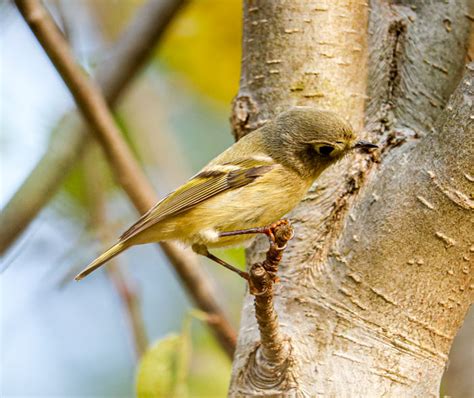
x,y
255,205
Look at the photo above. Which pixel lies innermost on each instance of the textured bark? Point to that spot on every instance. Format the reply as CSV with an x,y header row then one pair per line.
x,y
379,276
299,53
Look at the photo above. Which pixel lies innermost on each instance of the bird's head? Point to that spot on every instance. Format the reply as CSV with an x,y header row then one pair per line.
x,y
309,139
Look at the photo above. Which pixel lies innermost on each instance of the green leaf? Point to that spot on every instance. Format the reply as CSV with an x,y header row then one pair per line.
x,y
163,369
210,368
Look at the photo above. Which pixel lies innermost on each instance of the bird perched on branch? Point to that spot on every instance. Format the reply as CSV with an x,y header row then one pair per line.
x,y
250,185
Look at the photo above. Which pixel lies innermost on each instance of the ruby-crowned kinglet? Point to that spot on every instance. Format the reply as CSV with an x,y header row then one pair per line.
x,y
251,184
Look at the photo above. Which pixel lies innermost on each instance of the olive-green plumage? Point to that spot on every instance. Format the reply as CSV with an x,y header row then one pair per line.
x,y
252,184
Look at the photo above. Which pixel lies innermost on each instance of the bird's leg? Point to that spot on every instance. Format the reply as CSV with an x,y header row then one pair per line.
x,y
203,251
268,230
243,274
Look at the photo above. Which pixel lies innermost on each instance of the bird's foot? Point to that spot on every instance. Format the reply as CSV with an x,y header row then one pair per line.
x,y
278,233
268,230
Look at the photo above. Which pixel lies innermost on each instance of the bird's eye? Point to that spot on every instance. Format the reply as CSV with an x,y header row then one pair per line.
x,y
325,150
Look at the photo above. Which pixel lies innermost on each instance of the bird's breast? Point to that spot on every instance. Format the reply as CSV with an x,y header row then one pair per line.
x,y
258,204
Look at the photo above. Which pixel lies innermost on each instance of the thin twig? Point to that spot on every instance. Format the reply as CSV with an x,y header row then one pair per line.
x,y
128,296
273,352
270,363
69,140
126,170
64,21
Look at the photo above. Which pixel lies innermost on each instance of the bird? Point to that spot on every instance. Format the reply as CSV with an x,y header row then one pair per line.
x,y
252,184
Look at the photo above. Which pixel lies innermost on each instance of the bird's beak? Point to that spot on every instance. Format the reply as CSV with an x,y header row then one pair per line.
x,y
364,145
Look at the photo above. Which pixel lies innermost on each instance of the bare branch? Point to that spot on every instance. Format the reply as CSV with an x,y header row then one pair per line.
x,y
91,103
262,278
136,45
131,304
70,137
269,365
126,170
65,149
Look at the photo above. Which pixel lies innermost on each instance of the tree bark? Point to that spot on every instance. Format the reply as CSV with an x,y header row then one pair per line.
x,y
379,276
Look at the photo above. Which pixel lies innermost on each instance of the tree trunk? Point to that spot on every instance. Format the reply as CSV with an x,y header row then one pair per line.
x,y
379,276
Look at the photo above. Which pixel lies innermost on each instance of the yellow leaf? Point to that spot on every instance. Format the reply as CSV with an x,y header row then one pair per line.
x,y
204,44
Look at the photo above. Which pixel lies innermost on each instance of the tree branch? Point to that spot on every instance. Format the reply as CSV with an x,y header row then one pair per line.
x,y
403,45
135,46
70,136
270,363
409,266
298,53
330,67
90,102
377,287
126,170
131,304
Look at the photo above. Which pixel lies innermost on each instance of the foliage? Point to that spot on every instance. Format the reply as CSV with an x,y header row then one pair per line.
x,y
203,43
161,368
165,370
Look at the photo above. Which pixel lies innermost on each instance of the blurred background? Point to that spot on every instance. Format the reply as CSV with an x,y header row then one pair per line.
x,y
60,338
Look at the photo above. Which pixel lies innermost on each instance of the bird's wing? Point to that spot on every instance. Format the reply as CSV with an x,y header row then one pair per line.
x,y
208,183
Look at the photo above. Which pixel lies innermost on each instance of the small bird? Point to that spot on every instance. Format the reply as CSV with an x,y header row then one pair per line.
x,y
252,184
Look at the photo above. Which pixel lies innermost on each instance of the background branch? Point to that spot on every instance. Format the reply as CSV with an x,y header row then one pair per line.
x,y
96,200
125,168
70,136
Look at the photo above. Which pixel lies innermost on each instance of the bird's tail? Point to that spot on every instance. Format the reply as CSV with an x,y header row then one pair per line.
x,y
103,258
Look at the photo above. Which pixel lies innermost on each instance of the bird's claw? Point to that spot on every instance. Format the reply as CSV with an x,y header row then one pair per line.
x,y
270,229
